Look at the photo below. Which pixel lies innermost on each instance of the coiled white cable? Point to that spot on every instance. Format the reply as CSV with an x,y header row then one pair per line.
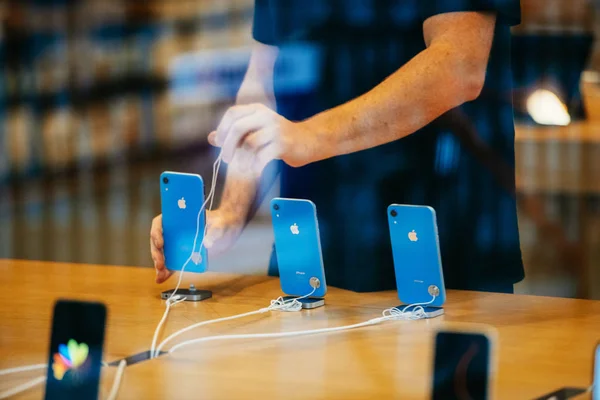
x,y
174,298
278,304
389,315
417,313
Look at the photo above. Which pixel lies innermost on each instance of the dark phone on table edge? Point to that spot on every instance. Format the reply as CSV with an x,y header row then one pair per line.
x,y
461,366
76,346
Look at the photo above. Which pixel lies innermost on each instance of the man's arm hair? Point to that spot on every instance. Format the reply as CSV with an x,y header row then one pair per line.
x,y
448,73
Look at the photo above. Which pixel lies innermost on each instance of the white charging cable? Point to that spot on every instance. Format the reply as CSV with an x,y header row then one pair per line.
x,y
33,367
23,387
34,382
25,368
117,382
590,390
278,304
388,316
174,298
418,311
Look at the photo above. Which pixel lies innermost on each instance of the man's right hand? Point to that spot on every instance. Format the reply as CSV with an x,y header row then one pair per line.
x,y
157,250
223,230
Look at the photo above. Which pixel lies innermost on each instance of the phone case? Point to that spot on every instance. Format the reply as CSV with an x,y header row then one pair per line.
x,y
298,246
182,196
416,254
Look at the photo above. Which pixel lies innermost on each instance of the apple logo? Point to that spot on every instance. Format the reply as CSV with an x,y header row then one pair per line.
x,y
412,236
196,258
181,203
294,229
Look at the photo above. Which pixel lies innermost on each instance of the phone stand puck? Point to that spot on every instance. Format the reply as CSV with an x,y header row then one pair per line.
x,y
308,303
430,312
191,294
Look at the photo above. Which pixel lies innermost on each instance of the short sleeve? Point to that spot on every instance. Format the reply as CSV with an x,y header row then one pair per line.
x,y
263,25
508,11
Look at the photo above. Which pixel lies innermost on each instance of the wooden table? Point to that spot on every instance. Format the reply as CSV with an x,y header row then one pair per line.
x,y
543,343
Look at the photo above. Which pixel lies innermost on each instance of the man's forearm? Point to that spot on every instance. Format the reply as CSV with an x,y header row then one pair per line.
x,y
241,185
434,82
238,194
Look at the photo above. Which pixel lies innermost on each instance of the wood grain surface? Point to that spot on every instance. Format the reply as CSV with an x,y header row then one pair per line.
x,y
541,343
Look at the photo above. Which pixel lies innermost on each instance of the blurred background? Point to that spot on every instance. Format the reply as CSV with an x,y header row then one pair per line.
x,y
98,97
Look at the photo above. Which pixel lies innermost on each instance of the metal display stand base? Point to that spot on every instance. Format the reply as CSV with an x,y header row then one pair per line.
x,y
191,294
135,358
308,303
430,312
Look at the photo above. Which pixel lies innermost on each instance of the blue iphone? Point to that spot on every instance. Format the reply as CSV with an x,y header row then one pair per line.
x,y
182,196
298,246
416,253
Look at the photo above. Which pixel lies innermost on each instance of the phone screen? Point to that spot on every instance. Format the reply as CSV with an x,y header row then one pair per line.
x,y
596,387
75,357
461,366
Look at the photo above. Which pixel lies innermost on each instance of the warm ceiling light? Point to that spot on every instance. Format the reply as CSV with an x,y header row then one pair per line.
x,y
546,109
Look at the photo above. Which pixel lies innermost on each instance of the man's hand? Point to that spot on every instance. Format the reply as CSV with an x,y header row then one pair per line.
x,y
224,228
157,245
263,135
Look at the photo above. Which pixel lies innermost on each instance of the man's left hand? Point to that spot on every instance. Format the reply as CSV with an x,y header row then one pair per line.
x,y
268,136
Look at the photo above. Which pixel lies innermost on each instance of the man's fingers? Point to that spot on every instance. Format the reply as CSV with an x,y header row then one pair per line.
x,y
230,117
156,233
157,256
212,138
255,141
157,240
238,131
156,250
163,275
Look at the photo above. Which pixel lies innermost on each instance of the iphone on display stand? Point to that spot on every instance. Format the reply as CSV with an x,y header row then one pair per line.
x,y
182,197
298,249
417,257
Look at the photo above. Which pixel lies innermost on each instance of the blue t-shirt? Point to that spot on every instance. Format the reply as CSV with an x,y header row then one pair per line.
x,y
461,164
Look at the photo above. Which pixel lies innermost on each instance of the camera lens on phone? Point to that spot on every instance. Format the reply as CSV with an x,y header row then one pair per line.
x,y
166,180
276,207
393,213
